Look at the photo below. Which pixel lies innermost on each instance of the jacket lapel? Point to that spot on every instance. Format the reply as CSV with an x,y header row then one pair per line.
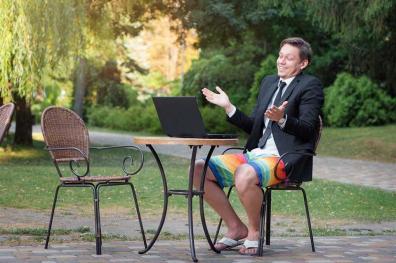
x,y
266,100
290,88
268,96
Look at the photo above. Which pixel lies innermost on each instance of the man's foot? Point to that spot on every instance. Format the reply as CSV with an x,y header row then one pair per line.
x,y
232,238
227,243
249,248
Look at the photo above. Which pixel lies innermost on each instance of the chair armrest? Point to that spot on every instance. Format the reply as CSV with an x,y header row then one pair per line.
x,y
128,160
281,158
73,162
233,148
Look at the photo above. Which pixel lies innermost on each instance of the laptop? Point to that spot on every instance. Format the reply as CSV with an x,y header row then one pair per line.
x,y
180,117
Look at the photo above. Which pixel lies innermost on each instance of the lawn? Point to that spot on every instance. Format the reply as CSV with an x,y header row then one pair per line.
x,y
28,180
367,143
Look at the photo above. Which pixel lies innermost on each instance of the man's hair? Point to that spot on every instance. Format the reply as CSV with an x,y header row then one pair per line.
x,y
302,45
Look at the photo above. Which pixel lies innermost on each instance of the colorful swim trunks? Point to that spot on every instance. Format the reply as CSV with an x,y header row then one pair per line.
x,y
223,167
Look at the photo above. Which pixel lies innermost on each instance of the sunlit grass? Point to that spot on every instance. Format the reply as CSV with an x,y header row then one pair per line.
x,y
366,143
28,180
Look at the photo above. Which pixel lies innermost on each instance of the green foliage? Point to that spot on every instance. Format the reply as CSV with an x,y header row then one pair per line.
x,y
109,90
143,118
354,101
35,34
113,94
267,67
364,29
231,69
215,120
136,118
206,72
341,32
49,97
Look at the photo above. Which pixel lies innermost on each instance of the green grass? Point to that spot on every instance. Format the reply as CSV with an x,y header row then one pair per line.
x,y
42,231
28,180
367,143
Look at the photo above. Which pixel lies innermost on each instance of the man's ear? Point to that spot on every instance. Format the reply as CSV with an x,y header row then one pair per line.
x,y
304,64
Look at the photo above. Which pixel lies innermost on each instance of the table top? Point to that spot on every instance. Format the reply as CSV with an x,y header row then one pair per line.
x,y
184,141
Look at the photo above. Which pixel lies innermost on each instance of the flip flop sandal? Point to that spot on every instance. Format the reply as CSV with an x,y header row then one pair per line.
x,y
250,244
228,243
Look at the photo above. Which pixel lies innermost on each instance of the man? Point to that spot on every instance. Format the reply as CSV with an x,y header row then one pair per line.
x,y
278,124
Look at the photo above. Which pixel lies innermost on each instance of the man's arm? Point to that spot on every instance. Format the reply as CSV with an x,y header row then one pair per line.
x,y
235,116
220,99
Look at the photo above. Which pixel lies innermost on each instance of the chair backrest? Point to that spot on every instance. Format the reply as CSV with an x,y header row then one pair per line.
x,y
6,112
320,128
62,128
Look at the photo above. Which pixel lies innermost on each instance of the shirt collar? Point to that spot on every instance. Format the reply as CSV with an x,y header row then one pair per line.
x,y
288,81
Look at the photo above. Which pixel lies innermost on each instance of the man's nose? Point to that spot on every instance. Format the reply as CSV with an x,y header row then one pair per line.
x,y
281,60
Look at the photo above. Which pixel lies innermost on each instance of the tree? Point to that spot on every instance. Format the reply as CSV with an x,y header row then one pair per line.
x,y
37,36
346,36
245,32
366,30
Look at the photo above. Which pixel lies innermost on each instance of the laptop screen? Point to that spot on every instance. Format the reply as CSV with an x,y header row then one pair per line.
x,y
180,116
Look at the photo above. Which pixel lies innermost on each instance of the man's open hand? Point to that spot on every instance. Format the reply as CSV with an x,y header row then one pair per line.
x,y
220,99
276,113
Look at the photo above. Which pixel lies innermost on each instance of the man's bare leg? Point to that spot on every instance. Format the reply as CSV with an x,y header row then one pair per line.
x,y
217,199
250,194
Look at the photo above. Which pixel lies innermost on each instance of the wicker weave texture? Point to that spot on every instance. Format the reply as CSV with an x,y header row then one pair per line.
x,y
6,112
61,128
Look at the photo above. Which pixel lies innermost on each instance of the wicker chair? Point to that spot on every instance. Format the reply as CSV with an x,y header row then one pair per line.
x,y
265,215
6,112
67,141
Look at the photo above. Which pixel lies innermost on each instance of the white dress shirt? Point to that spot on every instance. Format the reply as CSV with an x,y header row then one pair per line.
x,y
270,146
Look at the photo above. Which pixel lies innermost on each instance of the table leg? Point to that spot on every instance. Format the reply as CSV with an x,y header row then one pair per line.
x,y
190,198
201,201
166,196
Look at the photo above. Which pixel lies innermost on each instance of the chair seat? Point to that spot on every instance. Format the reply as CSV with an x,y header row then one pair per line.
x,y
93,179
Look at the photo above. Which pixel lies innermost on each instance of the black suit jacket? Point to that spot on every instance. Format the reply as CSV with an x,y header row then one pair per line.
x,y
305,99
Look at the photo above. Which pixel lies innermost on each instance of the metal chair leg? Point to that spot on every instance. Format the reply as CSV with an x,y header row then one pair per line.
x,y
138,214
221,220
52,216
268,217
98,232
262,223
308,219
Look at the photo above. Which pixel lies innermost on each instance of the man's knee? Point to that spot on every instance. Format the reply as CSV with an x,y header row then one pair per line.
x,y
199,164
245,177
198,168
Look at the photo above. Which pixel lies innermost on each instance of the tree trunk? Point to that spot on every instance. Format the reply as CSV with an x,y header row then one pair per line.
x,y
23,122
1,101
80,85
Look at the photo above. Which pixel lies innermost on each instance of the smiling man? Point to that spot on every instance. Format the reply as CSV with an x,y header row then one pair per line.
x,y
284,119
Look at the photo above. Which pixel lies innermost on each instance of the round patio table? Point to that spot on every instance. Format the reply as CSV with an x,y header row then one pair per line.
x,y
194,144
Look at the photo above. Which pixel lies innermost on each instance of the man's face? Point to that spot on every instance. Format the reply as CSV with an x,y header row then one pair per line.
x,y
289,63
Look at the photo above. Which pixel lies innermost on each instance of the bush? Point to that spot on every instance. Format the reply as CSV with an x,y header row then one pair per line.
x,y
216,121
355,102
233,73
136,118
267,67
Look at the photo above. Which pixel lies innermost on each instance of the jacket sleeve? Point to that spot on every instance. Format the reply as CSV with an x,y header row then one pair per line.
x,y
303,126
